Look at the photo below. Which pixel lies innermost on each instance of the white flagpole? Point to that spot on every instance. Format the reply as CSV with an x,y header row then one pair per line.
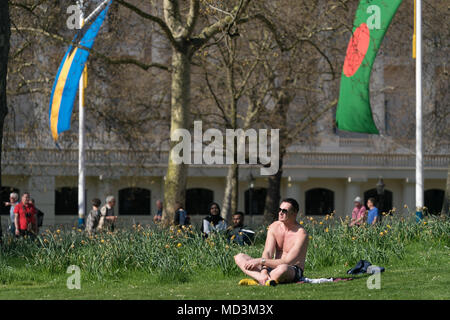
x,y
419,144
99,8
81,136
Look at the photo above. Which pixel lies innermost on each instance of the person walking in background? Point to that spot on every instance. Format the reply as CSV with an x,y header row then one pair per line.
x,y
213,222
13,201
93,217
158,216
373,215
107,218
358,213
39,215
25,219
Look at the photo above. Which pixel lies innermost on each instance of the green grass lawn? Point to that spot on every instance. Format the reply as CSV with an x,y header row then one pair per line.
x,y
422,273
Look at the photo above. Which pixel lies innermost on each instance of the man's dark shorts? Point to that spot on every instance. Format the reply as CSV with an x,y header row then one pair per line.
x,y
298,273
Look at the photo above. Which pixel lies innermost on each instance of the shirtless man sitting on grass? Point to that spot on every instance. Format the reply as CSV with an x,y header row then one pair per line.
x,y
283,259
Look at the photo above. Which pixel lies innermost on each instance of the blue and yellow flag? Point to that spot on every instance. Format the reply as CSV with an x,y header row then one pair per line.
x,y
68,77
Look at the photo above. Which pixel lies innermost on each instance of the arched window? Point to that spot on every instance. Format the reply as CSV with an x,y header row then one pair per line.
x,y
4,197
434,199
134,201
319,201
198,200
66,201
257,198
383,202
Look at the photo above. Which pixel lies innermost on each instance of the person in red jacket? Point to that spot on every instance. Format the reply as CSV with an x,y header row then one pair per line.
x,y
25,217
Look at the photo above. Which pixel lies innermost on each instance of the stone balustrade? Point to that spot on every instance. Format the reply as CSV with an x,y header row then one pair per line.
x,y
130,158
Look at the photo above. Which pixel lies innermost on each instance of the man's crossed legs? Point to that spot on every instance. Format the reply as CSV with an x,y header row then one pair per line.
x,y
281,274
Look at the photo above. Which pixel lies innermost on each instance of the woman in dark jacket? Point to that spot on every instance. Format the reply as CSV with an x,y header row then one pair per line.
x,y
213,222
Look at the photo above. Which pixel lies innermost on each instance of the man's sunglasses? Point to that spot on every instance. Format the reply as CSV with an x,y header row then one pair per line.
x,y
285,211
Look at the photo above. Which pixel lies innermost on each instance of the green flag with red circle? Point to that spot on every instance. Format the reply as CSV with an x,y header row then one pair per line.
x,y
373,18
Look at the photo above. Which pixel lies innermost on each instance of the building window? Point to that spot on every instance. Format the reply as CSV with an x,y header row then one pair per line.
x,y
434,199
4,197
383,203
66,201
134,201
198,201
319,201
257,198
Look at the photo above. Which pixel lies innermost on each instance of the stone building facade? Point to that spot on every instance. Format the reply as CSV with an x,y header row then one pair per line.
x,y
324,176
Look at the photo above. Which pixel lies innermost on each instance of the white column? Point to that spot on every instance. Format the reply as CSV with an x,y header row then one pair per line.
x,y
378,99
293,190
103,188
408,197
352,190
42,190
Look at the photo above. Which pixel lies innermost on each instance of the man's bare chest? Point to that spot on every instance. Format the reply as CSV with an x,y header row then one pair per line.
x,y
285,241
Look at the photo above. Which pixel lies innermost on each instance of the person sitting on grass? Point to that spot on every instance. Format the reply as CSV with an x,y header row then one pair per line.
x,y
181,217
158,216
214,222
93,217
358,213
238,233
373,215
283,258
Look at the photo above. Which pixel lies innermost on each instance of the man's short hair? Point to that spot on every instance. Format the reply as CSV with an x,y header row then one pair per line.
x,y
240,213
110,198
96,202
372,200
26,192
293,203
14,195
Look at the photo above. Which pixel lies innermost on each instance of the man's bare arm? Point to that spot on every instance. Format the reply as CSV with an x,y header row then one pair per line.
x,y
16,222
270,246
269,250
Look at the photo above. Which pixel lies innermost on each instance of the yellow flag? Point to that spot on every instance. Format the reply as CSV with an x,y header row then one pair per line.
x,y
85,77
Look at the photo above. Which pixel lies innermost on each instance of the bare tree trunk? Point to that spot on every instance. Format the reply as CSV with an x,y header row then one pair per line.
x,y
175,183
273,196
230,199
5,33
446,202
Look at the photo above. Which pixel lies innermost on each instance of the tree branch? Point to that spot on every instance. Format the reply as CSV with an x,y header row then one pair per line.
x,y
120,60
173,18
153,18
208,32
192,17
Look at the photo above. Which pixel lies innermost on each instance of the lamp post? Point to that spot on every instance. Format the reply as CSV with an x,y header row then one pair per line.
x,y
380,191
